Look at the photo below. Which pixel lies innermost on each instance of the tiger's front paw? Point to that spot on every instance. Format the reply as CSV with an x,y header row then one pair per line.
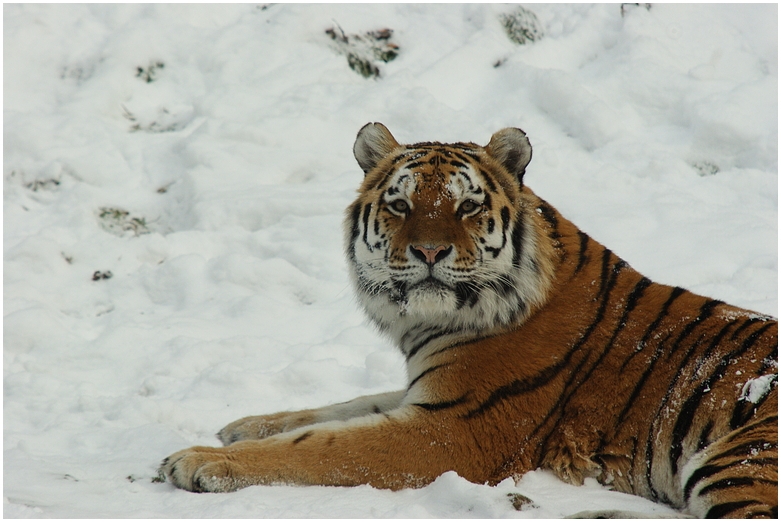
x,y
201,469
263,426
570,460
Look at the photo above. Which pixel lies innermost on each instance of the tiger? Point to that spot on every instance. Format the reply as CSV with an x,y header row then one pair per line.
x,y
528,345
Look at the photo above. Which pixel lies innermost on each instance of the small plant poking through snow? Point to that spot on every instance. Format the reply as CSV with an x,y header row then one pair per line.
x,y
625,7
521,502
521,25
43,184
36,184
118,221
163,120
149,74
706,168
364,50
98,275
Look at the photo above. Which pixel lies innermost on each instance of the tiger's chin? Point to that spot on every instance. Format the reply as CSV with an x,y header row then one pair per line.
x,y
429,299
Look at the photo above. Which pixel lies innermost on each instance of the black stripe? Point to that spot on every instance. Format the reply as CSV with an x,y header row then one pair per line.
x,y
686,417
767,325
355,213
436,406
705,356
386,176
366,212
752,447
729,483
712,469
703,441
468,151
399,292
424,373
582,253
466,294
675,294
519,387
748,322
634,296
631,303
549,215
417,347
458,345
606,287
414,332
468,148
604,272
488,180
706,310
753,338
436,159
722,510
355,230
505,215
517,239
465,158
487,201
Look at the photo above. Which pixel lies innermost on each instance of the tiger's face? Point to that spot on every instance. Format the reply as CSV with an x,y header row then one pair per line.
x,y
443,235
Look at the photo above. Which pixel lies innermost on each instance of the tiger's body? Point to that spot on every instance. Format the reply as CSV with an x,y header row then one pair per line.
x,y
528,345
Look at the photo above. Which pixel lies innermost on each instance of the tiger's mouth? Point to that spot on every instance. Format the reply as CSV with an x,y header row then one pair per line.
x,y
429,297
431,284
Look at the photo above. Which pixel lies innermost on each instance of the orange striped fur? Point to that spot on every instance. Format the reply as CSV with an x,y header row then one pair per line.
x,y
528,345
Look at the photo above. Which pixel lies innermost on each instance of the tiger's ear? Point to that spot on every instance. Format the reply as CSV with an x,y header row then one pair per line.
x,y
374,142
511,148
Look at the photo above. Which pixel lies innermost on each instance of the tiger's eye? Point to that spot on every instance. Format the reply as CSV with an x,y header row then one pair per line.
x,y
467,207
400,205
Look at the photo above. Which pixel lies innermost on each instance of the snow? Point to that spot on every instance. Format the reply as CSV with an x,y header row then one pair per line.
x,y
756,389
214,195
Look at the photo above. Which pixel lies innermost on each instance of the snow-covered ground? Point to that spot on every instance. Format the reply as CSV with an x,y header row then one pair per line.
x,y
174,179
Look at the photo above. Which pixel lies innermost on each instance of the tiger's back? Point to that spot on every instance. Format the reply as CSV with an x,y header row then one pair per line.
x,y
651,385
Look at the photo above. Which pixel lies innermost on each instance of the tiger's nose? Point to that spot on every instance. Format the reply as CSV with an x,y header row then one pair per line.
x,y
430,256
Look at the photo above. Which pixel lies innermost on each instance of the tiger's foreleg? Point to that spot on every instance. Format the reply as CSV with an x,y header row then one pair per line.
x,y
262,426
392,451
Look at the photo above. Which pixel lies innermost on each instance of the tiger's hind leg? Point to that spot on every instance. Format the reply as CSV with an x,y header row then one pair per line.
x,y
737,476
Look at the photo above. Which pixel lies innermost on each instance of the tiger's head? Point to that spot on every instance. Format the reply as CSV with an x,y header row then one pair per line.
x,y
445,235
